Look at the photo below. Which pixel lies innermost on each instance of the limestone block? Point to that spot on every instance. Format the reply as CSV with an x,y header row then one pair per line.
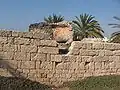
x,y
117,52
28,48
38,64
1,47
101,53
56,58
8,55
5,33
22,41
98,65
101,58
88,74
15,34
59,66
87,58
26,71
3,40
38,57
41,35
98,46
79,45
73,65
51,50
114,58
28,64
79,59
71,58
48,57
9,48
108,53
73,51
51,43
82,66
112,46
22,56
89,52
27,34
10,40
46,65
4,72
97,73
117,65
109,65
20,34
91,65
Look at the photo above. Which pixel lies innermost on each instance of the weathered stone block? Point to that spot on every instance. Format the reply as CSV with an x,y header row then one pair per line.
x,y
3,40
27,34
8,55
59,66
1,47
98,65
51,50
89,46
28,48
4,72
10,40
82,66
15,34
22,41
48,43
56,58
108,53
87,58
98,46
38,57
114,58
79,45
5,33
117,52
101,58
73,51
101,53
22,56
28,64
9,48
89,52
46,65
38,64
112,46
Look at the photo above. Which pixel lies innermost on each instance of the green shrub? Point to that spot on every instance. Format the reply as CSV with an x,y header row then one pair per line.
x,y
96,83
14,83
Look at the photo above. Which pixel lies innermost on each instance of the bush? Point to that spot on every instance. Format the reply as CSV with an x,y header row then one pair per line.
x,y
96,83
14,83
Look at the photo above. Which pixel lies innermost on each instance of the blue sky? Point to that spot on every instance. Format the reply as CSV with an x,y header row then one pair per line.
x,y
18,14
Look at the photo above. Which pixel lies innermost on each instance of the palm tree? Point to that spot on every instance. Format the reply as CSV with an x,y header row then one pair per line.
x,y
54,18
115,25
86,26
115,37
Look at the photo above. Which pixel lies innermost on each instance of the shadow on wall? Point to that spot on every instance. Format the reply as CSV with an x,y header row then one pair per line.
x,y
18,81
6,66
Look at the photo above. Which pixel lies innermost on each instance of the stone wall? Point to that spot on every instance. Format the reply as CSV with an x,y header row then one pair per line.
x,y
32,56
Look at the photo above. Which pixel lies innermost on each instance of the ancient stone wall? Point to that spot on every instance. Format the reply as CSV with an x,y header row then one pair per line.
x,y
32,56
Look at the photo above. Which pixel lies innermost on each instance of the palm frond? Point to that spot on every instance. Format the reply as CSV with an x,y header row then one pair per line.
x,y
54,18
87,25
